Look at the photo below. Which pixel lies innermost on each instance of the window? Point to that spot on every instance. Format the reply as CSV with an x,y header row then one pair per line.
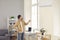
x,y
34,14
34,2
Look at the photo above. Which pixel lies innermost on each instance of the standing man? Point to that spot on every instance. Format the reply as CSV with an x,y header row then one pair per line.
x,y
20,24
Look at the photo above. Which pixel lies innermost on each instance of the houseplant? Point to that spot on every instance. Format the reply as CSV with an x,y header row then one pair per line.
x,y
42,30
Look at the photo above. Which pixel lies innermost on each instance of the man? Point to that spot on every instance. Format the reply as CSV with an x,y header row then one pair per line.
x,y
20,24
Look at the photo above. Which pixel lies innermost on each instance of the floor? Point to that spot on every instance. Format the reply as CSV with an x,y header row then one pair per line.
x,y
13,38
29,38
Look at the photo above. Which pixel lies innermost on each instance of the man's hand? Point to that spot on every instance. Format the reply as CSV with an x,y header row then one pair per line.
x,y
29,21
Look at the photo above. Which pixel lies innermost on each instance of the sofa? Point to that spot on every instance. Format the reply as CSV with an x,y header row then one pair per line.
x,y
4,34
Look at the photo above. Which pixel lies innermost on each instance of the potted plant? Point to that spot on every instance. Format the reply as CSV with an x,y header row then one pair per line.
x,y
42,30
12,17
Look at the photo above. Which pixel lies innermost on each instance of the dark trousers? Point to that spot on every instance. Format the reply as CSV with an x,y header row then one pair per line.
x,y
20,36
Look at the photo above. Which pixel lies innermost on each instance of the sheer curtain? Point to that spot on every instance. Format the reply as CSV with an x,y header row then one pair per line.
x,y
34,14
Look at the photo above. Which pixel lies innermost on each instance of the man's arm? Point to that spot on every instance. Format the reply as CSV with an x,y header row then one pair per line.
x,y
27,22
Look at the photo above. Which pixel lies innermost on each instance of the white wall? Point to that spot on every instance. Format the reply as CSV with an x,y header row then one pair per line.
x,y
47,19
10,8
57,19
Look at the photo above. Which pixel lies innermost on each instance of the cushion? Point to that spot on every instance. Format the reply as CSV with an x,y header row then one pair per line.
x,y
3,32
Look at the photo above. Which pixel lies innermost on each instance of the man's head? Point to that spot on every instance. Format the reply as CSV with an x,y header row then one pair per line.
x,y
19,17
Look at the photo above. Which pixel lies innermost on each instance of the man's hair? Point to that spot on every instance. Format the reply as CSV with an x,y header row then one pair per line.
x,y
18,16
